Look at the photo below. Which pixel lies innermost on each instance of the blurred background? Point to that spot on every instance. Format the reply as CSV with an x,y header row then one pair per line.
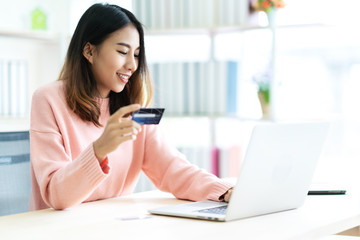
x,y
219,67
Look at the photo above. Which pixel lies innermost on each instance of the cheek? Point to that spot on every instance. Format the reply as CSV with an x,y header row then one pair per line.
x,y
115,62
103,70
137,64
110,64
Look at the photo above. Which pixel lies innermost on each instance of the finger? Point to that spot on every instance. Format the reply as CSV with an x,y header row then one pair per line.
x,y
126,110
116,128
228,195
127,131
125,138
127,123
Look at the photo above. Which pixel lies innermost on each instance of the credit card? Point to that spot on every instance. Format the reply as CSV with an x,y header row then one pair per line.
x,y
148,115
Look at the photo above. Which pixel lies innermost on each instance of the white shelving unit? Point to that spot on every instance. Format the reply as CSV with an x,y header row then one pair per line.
x,y
40,54
30,35
182,44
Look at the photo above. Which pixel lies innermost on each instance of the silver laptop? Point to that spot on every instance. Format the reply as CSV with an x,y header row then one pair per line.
x,y
275,175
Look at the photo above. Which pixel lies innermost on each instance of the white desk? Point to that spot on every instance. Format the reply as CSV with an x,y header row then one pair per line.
x,y
320,216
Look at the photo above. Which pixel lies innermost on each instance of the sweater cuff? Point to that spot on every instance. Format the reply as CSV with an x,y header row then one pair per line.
x,y
105,165
91,166
220,188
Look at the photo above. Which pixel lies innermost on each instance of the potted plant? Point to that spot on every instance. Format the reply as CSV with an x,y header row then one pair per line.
x,y
266,5
262,81
264,78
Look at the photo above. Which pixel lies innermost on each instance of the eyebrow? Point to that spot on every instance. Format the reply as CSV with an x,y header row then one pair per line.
x,y
126,45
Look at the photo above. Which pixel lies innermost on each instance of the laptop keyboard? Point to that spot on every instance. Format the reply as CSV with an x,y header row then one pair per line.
x,y
217,210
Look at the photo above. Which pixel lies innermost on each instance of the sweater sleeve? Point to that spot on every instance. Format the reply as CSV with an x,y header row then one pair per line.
x,y
169,170
63,180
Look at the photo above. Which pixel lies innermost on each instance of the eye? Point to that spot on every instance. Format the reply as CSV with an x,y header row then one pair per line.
x,y
121,52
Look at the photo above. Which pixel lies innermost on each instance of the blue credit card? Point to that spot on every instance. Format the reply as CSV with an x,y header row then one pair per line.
x,y
148,115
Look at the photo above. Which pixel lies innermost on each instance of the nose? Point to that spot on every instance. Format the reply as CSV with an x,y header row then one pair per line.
x,y
131,63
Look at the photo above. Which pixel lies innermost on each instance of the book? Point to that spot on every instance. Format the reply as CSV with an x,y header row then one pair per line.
x,y
24,104
229,161
203,88
12,88
179,89
160,14
186,88
169,90
235,157
221,87
143,14
242,12
196,90
215,161
6,88
188,14
204,154
211,89
198,155
162,83
2,87
191,88
178,17
167,14
231,95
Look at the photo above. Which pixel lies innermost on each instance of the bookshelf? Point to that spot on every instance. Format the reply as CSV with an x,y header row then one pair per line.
x,y
202,49
35,56
28,59
199,87
174,14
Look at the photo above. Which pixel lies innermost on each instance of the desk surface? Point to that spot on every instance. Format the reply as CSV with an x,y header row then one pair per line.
x,y
118,218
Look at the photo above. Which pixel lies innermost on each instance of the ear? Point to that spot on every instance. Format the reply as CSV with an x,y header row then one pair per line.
x,y
88,52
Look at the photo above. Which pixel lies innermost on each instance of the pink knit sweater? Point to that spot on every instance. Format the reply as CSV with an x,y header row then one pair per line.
x,y
65,171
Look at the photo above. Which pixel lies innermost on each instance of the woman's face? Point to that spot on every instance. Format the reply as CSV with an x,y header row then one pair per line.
x,y
114,60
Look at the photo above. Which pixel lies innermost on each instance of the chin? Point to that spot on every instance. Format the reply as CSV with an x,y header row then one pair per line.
x,y
118,89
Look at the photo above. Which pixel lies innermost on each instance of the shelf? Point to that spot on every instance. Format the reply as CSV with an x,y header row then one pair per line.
x,y
204,30
222,29
214,118
208,116
30,35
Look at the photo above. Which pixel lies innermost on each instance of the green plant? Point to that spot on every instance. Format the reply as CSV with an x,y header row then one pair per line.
x,y
264,90
263,79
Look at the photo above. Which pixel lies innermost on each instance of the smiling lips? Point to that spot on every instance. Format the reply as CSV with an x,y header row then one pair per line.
x,y
124,78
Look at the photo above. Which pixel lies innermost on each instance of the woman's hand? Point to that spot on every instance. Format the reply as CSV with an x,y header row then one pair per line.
x,y
227,195
117,130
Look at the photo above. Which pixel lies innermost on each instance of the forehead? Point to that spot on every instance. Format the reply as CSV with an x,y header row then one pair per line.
x,y
127,34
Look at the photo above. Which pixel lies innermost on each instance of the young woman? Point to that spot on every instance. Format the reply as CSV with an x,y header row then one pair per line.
x,y
84,145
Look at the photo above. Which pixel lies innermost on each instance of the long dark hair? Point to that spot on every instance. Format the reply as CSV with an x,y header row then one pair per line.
x,y
95,25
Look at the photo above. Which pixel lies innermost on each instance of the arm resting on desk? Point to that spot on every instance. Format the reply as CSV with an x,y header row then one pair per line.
x,y
173,173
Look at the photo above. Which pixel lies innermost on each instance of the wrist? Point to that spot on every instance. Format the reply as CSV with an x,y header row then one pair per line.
x,y
98,154
226,196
